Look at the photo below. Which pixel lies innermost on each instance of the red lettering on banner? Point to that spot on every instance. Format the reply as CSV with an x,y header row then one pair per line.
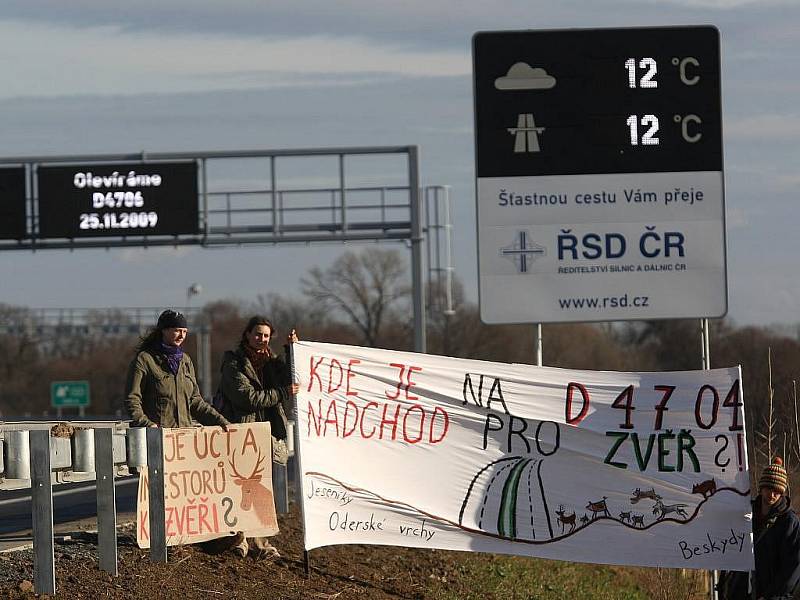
x,y
191,514
409,383
347,408
228,433
571,387
445,424
208,445
143,525
170,522
191,519
316,417
406,370
202,517
390,421
402,368
173,446
350,375
364,414
249,442
331,388
144,482
173,484
334,420
421,424
313,373
197,451
214,434
661,407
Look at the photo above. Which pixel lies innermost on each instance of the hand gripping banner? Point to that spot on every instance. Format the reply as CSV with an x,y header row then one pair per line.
x,y
406,449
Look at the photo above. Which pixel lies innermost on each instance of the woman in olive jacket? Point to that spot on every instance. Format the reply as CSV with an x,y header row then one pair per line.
x,y
256,385
161,388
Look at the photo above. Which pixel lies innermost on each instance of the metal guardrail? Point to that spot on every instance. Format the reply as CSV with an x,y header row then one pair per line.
x,y
71,458
31,458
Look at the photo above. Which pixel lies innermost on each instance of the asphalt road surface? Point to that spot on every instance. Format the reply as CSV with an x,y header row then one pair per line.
x,y
72,502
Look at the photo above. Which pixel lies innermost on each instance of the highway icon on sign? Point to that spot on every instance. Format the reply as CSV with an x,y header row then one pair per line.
x,y
522,251
526,134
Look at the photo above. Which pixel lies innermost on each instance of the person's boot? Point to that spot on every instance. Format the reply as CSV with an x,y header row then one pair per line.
x,y
240,546
261,549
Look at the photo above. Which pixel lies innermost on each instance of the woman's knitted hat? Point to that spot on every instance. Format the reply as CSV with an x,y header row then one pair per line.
x,y
774,476
170,318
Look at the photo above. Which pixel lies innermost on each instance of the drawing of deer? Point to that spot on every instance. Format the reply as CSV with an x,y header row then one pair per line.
x,y
638,494
565,519
584,519
666,509
625,517
637,519
254,494
598,507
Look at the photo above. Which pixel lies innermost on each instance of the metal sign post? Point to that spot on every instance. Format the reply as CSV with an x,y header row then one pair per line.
x,y
175,199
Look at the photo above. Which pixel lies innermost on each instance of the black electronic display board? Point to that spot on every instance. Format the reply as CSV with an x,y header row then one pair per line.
x,y
567,102
118,199
12,203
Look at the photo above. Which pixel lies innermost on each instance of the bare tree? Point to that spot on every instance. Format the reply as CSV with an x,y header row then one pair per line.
x,y
288,312
366,288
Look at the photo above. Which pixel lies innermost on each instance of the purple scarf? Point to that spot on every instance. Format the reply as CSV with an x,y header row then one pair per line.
x,y
174,356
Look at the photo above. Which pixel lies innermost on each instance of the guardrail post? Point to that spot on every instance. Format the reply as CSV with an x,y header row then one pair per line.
x,y
280,488
44,571
106,500
83,451
155,472
18,454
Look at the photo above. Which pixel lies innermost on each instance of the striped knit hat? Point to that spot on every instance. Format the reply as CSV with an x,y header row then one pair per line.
x,y
774,476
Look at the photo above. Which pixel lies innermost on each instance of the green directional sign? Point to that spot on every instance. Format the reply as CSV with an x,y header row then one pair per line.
x,y
69,393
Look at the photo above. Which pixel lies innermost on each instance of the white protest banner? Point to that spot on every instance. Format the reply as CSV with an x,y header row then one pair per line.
x,y
407,449
216,483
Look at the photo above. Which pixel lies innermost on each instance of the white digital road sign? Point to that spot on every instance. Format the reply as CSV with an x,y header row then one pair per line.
x,y
600,192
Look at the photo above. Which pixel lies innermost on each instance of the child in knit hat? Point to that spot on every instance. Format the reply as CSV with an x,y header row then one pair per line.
x,y
776,542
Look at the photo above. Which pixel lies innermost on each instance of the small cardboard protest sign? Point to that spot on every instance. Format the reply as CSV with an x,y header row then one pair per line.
x,y
216,483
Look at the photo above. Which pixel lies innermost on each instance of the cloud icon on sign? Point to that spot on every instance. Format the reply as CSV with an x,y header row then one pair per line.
x,y
521,76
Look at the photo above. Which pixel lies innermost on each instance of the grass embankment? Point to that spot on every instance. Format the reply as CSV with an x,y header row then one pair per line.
x,y
476,576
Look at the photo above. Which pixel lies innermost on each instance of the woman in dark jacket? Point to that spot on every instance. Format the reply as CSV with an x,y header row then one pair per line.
x,y
256,385
161,388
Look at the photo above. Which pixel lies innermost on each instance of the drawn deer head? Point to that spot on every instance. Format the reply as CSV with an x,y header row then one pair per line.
x,y
250,484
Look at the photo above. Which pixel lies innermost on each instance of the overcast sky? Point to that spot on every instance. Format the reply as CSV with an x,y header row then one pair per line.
x,y
83,77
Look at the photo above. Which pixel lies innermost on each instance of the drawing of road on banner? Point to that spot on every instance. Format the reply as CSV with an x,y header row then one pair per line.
x,y
427,451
